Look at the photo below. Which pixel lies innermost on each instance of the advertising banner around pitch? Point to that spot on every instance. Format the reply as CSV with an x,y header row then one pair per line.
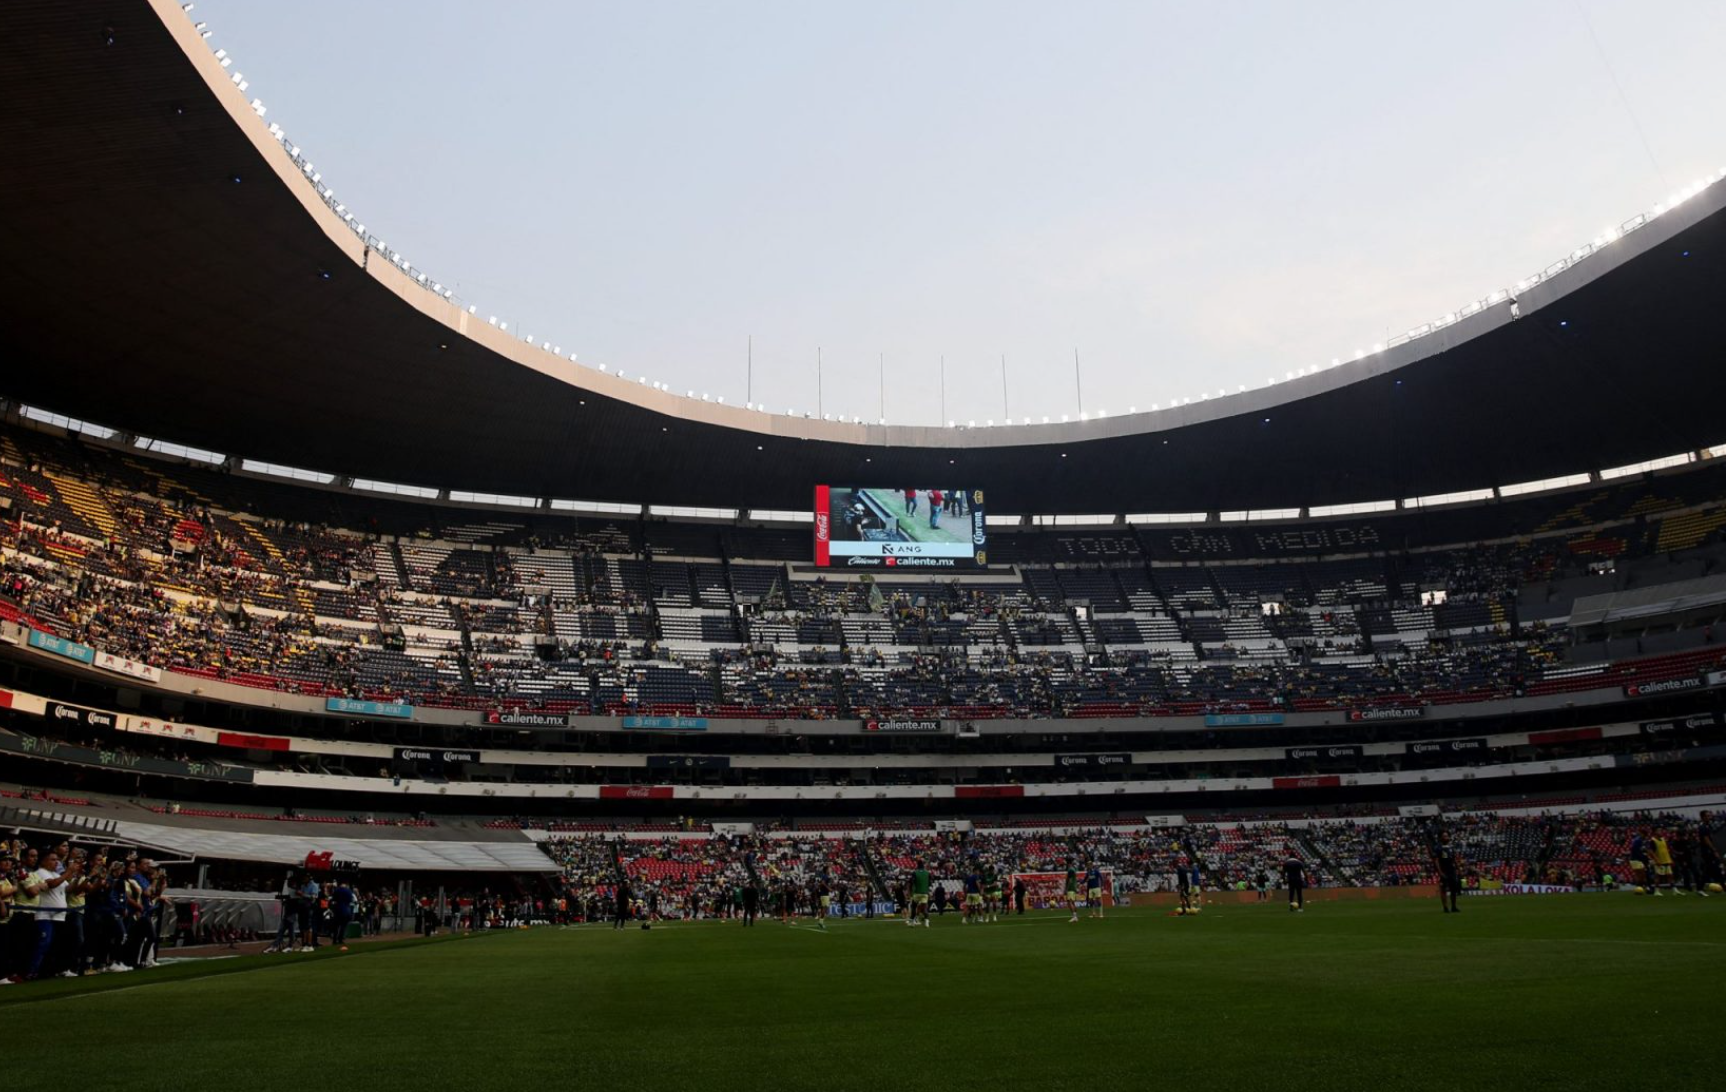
x,y
1524,889
1241,720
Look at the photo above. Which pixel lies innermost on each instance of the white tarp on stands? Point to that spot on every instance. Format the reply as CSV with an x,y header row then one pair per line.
x,y
511,856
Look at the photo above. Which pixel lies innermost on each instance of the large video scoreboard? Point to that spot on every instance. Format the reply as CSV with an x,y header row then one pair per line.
x,y
861,527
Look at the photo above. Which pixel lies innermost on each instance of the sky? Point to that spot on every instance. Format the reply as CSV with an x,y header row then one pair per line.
x,y
1187,197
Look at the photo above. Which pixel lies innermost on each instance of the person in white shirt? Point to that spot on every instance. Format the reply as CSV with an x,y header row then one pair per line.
x,y
48,884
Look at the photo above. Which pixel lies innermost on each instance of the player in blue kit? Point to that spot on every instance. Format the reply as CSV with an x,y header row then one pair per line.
x,y
973,898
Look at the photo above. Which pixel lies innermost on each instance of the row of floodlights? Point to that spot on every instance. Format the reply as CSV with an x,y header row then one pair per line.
x,y
1604,239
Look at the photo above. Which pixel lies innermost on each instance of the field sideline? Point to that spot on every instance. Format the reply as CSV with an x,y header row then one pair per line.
x,y
1559,992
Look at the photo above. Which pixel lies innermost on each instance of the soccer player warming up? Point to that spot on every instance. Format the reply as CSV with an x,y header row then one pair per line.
x,y
1294,875
1449,875
973,898
1072,894
1094,890
992,891
919,912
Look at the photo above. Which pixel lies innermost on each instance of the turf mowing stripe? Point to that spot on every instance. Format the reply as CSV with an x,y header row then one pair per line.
x,y
1508,940
186,970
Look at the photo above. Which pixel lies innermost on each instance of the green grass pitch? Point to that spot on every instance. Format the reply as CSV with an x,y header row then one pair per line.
x,y
1570,992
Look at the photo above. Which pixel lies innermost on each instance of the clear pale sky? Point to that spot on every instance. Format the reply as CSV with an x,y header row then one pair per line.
x,y
1193,196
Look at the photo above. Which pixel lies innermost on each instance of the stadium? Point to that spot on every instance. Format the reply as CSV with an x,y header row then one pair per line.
x,y
371,673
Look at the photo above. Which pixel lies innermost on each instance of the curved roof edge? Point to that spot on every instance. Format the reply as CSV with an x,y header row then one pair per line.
x,y
150,291
1582,266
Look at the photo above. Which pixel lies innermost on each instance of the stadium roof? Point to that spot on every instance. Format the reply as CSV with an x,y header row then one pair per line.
x,y
176,269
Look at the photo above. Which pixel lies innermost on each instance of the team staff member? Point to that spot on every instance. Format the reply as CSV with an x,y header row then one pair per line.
x,y
620,915
1449,875
21,926
8,890
1294,876
342,909
72,932
47,885
105,910
311,910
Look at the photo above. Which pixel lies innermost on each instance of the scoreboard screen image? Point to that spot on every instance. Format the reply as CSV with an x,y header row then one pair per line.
x,y
859,527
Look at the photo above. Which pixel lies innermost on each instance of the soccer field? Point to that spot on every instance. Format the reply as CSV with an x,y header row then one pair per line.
x,y
1571,992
